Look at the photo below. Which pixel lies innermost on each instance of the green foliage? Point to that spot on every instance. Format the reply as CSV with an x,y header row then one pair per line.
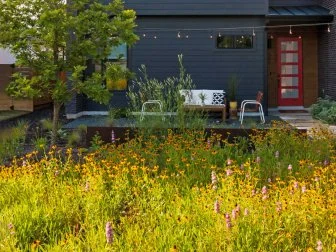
x,y
167,91
52,38
116,72
324,110
77,136
40,143
233,83
96,142
12,141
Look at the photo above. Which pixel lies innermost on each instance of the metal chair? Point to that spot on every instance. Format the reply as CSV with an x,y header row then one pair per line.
x,y
155,102
258,107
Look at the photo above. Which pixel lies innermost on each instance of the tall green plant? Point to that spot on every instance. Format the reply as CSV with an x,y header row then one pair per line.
x,y
232,87
54,37
12,141
144,88
167,91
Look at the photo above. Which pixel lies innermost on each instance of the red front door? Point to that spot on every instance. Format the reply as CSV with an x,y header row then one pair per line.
x,y
290,91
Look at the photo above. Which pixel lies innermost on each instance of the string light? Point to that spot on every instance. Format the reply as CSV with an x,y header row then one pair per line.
x,y
221,29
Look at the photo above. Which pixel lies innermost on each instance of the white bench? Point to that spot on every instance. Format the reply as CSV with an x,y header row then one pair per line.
x,y
214,100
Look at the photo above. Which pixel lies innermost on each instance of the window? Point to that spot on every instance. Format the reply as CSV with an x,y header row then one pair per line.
x,y
235,42
119,56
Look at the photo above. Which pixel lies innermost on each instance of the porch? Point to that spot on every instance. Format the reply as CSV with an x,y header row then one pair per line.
x,y
293,35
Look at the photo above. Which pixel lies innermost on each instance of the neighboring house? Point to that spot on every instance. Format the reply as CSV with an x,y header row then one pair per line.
x,y
219,38
7,68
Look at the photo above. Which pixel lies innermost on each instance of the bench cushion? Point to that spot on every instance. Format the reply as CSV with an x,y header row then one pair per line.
x,y
192,96
218,98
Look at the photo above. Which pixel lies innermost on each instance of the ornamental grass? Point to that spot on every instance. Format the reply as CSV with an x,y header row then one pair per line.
x,y
175,192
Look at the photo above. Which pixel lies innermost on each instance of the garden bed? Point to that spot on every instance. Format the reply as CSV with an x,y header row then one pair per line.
x,y
126,128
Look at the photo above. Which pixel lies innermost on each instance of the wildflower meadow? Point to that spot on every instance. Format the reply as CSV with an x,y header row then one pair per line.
x,y
173,191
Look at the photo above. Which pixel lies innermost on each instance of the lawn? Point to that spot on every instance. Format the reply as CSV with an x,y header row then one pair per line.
x,y
174,192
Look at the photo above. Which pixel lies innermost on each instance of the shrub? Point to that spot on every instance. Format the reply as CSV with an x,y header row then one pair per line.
x,y
324,110
167,91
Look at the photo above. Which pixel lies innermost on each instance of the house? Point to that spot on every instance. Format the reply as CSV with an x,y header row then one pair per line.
x,y
7,69
285,48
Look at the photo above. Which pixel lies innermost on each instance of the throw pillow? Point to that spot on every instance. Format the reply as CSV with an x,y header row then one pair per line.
x,y
218,98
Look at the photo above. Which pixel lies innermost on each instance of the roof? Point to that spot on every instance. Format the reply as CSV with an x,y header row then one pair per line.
x,y
298,11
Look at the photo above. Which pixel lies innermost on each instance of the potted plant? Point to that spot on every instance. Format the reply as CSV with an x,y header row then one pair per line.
x,y
232,91
202,96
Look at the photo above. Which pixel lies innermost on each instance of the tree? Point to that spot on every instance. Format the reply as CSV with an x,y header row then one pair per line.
x,y
53,37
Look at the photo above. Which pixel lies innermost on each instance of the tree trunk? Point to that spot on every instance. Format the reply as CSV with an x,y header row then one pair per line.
x,y
57,108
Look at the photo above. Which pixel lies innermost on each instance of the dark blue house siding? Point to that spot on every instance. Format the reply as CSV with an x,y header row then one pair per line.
x,y
198,7
209,67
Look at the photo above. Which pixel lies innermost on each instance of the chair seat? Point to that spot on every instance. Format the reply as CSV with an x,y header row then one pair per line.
x,y
258,108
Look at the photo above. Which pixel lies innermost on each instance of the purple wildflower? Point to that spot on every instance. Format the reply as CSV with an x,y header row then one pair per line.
x,y
278,207
264,192
209,143
112,136
229,172
319,246
296,185
109,233
214,180
234,214
290,167
87,186
326,162
228,220
217,206
229,161
303,189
